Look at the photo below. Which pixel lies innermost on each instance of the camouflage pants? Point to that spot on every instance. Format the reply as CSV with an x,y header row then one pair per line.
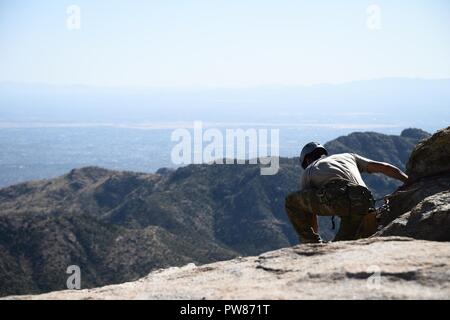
x,y
348,201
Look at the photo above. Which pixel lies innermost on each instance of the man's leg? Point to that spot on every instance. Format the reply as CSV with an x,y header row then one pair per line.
x,y
357,227
349,227
369,225
352,204
301,205
301,208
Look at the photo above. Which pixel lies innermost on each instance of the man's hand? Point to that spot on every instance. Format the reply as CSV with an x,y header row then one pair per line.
x,y
388,170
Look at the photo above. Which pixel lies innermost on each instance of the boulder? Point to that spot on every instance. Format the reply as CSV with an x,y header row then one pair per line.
x,y
429,220
431,157
421,209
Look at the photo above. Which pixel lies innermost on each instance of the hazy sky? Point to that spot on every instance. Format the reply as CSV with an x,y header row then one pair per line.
x,y
230,43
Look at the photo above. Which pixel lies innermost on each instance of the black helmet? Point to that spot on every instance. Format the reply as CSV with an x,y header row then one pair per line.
x,y
310,148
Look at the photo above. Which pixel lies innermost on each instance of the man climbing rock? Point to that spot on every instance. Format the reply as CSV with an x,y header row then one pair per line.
x,y
332,185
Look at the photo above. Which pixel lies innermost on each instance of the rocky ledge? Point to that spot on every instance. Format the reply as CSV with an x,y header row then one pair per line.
x,y
376,268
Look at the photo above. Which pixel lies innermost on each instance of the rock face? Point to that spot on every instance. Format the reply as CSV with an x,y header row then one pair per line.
x,y
422,209
377,268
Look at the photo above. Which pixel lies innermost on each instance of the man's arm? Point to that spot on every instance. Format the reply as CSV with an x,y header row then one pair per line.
x,y
388,170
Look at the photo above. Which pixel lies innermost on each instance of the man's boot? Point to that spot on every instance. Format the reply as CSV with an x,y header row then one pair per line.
x,y
310,238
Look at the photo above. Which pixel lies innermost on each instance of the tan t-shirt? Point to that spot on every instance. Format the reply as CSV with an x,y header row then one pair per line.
x,y
346,166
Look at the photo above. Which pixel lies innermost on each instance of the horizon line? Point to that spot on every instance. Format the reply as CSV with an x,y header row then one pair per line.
x,y
213,87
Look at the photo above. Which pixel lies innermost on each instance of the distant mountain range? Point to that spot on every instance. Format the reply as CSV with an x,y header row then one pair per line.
x,y
118,226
